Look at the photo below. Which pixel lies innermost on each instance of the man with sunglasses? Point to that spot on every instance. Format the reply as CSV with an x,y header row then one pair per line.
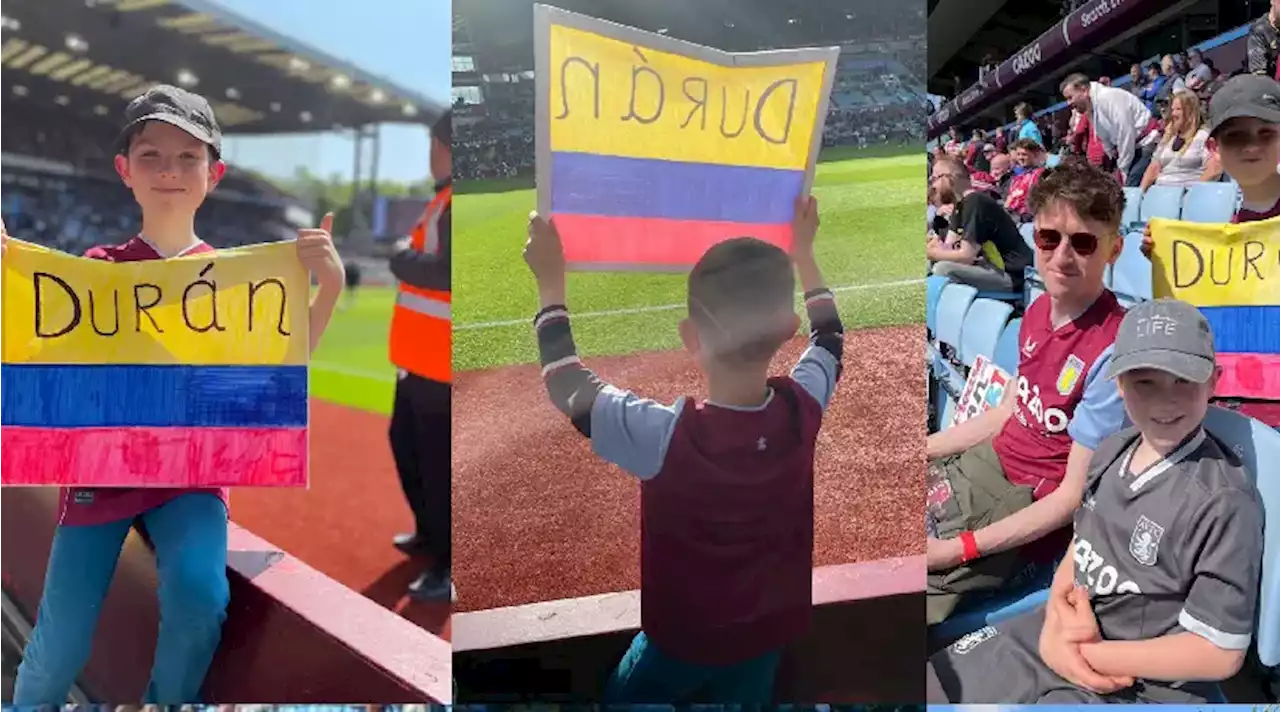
x,y
983,247
1003,486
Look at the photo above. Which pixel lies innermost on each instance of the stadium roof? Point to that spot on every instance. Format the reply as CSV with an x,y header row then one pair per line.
x,y
961,32
90,57
501,31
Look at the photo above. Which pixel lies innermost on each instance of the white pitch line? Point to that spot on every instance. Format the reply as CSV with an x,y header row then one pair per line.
x,y
664,307
353,372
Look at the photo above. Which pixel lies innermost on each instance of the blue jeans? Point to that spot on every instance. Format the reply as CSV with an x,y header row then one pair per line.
x,y
190,537
647,675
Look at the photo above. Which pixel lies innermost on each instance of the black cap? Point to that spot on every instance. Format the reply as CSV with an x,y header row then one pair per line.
x,y
1245,96
177,107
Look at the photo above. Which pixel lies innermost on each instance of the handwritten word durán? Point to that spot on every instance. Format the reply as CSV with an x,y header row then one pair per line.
x,y
105,320
1223,266
733,108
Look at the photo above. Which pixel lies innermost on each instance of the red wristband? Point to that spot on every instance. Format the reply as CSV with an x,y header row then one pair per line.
x,y
970,547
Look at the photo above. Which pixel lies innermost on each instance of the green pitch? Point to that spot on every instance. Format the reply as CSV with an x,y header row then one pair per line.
x,y
872,206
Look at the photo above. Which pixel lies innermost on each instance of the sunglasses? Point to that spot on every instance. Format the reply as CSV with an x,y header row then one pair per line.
x,y
1082,243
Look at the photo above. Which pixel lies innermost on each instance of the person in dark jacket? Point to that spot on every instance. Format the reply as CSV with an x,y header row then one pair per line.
x,y
421,426
1264,42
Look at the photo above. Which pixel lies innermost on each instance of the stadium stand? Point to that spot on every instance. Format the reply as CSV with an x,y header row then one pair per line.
x,y
68,70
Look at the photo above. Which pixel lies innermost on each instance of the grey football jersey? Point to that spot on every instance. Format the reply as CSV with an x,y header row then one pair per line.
x,y
1176,547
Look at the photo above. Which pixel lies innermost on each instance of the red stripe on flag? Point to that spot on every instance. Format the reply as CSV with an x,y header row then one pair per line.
x,y
1249,376
652,243
154,457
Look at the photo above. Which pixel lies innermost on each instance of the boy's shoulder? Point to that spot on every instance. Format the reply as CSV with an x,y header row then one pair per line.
x,y
1216,468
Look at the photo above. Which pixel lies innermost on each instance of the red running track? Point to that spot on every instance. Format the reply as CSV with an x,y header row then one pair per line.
x,y
537,517
343,523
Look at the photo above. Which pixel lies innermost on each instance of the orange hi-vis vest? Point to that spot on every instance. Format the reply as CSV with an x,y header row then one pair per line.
x,y
422,325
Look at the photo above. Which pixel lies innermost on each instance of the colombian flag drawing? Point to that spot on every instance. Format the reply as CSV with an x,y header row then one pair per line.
x,y
1232,273
651,150
188,372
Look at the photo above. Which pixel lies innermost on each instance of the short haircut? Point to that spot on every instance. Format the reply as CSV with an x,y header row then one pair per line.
x,y
1023,109
1029,144
738,293
1076,79
1092,192
954,165
442,130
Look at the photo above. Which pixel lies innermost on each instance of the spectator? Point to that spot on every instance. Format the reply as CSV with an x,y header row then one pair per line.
x,y
1026,125
1264,39
1154,85
1030,157
1120,122
1013,476
1182,156
983,247
1137,82
1201,74
1173,80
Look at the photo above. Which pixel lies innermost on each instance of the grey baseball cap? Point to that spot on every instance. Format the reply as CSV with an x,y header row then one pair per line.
x,y
1248,96
1168,335
176,106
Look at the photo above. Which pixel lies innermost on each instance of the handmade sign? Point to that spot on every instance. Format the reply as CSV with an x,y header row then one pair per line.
x,y
188,372
1232,273
983,391
650,150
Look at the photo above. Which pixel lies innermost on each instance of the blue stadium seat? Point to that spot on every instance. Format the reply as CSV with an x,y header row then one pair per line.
x,y
1131,274
1053,161
1209,203
1032,285
952,308
1028,231
1161,201
1132,215
1000,607
1255,443
982,328
1007,347
932,293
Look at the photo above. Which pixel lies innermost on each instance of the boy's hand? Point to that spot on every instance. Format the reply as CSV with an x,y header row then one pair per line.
x,y
1062,654
1147,242
804,226
1078,623
318,255
544,254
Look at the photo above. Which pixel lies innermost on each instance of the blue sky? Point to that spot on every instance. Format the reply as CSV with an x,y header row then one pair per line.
x,y
407,41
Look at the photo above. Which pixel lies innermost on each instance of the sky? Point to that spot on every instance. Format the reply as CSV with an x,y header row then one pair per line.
x,y
407,41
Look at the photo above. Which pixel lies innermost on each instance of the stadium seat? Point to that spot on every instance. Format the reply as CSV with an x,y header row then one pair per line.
x,y
1028,231
1053,161
1132,216
1006,356
983,325
952,306
1161,201
933,293
1209,203
1131,274
1022,598
1256,443
1032,286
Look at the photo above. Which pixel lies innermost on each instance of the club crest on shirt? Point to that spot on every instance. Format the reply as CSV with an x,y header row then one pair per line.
x,y
1144,545
1070,375
973,640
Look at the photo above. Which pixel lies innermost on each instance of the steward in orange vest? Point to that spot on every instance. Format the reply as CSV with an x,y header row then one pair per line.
x,y
422,349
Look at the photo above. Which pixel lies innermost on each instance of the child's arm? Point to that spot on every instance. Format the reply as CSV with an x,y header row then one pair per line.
x,y
317,254
1178,657
1224,543
628,431
819,368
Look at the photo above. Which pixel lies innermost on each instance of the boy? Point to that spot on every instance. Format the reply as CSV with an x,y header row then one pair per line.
x,y
168,154
726,484
1156,598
